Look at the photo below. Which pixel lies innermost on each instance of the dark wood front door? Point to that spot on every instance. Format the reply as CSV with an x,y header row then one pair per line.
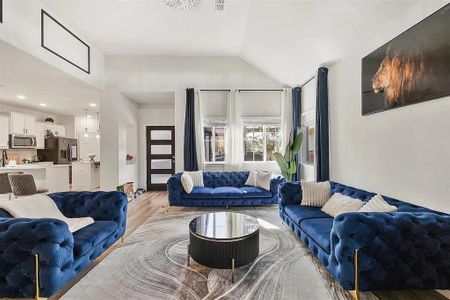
x,y
160,156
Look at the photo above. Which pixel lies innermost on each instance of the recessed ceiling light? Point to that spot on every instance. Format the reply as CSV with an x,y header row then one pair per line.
x,y
92,105
21,97
43,104
89,116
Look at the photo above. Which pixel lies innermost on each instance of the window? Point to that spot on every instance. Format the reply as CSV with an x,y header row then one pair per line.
x,y
214,143
261,141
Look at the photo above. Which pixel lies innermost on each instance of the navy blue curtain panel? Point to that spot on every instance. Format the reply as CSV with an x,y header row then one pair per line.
x,y
322,130
296,120
190,148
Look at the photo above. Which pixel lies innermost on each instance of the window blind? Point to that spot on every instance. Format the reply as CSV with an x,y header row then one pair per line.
x,y
260,104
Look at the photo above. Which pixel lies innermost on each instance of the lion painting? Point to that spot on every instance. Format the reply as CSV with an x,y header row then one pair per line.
x,y
399,74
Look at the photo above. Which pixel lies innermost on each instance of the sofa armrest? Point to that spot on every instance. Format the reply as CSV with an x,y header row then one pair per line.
x,y
101,206
275,183
290,193
397,250
20,239
175,188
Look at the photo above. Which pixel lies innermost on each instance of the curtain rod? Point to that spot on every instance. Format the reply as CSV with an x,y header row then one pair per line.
x,y
260,90
307,81
215,90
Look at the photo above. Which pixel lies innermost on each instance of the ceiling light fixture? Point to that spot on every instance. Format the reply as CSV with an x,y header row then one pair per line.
x,y
22,97
43,104
182,4
92,105
219,5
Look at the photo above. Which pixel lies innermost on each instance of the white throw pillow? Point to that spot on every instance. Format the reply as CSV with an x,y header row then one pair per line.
x,y
263,180
339,204
186,182
315,193
377,204
197,178
251,180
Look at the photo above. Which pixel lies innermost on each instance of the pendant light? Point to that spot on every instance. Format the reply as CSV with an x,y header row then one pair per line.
x,y
98,126
86,134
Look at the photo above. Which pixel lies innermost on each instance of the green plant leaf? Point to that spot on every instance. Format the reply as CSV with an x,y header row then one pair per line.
x,y
287,152
293,168
297,143
282,163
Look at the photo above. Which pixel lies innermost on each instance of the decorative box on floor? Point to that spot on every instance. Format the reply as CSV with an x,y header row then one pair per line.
x,y
128,189
46,247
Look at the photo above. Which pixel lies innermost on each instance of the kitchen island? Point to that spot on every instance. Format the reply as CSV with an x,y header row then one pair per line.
x,y
55,178
85,176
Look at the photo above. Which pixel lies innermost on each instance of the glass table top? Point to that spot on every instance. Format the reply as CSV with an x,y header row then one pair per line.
x,y
223,225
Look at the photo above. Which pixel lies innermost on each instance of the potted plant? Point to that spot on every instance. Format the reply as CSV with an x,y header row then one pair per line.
x,y
287,162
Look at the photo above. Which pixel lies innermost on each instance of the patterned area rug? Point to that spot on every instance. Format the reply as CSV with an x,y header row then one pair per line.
x,y
151,264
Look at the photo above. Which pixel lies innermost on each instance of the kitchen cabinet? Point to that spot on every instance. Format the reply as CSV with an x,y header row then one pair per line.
x,y
4,132
57,130
22,124
41,132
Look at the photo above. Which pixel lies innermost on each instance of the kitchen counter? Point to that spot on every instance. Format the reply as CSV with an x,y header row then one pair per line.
x,y
55,178
33,166
85,176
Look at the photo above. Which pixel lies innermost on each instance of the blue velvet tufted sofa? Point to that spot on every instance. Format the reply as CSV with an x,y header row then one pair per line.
x,y
222,189
406,249
62,255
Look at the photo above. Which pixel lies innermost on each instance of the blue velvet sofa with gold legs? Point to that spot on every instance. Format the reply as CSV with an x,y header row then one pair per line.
x,y
406,249
59,254
222,189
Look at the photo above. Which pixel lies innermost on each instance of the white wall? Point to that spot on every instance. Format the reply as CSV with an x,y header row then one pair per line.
x,y
403,153
151,115
119,117
22,28
140,74
308,119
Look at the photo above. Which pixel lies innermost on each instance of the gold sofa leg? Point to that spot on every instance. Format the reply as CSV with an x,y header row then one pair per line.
x,y
355,292
36,269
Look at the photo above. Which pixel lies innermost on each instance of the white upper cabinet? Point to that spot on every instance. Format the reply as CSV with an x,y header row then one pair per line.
x,y
17,123
4,131
61,130
22,124
41,132
40,135
30,124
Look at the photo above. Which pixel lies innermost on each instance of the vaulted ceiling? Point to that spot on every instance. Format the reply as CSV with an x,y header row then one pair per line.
x,y
287,40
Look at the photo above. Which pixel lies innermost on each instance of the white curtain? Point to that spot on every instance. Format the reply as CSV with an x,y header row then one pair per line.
x,y
199,131
286,118
234,140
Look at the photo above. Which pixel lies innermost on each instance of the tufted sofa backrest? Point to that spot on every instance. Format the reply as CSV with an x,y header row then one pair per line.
x,y
366,196
4,214
218,179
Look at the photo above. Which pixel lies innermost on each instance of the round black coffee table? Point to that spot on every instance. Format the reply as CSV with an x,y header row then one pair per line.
x,y
223,240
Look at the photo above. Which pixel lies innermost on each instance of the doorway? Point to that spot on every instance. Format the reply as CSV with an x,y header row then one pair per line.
x,y
160,156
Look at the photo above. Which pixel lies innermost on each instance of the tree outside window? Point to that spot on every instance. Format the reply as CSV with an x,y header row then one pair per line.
x,y
214,143
261,141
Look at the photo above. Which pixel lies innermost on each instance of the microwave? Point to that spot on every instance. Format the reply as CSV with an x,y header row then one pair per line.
x,y
22,141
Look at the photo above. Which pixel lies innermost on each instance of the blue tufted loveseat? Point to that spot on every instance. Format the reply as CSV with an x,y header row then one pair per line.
x,y
62,255
222,189
406,249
